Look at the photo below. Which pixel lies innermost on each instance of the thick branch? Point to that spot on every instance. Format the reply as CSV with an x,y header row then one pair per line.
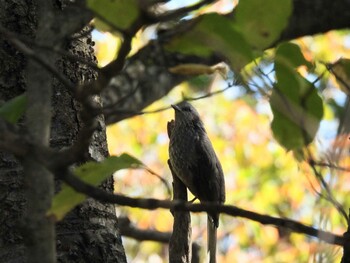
x,y
316,17
39,230
151,204
147,71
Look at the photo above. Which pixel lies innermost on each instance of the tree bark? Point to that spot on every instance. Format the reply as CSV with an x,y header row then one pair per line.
x,y
147,71
90,232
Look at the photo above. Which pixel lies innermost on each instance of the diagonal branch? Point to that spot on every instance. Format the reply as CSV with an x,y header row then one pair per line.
x,y
9,36
176,14
325,186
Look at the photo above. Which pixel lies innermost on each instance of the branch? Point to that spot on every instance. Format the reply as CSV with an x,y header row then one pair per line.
x,y
14,141
325,186
330,166
180,241
127,229
177,205
315,17
109,110
178,13
113,68
12,38
39,237
346,254
66,54
73,19
150,63
11,140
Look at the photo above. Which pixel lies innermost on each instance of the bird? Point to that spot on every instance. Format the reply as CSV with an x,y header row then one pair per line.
x,y
195,163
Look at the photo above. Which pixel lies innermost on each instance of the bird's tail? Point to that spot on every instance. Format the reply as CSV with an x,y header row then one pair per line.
x,y
211,240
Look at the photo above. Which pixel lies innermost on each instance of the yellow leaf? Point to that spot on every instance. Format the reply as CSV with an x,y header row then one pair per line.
x,y
199,69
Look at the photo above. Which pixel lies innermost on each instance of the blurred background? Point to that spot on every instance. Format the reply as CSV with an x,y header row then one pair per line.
x,y
260,175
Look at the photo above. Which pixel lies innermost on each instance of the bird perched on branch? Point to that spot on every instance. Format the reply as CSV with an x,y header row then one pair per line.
x,y
194,161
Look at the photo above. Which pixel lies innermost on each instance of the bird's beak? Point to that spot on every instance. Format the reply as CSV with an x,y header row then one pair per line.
x,y
175,107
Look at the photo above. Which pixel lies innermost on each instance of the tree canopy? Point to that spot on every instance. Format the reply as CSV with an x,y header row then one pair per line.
x,y
271,82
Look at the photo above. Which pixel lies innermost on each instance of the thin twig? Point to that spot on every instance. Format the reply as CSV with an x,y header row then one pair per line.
x,y
163,180
325,186
119,101
109,112
68,55
331,166
171,15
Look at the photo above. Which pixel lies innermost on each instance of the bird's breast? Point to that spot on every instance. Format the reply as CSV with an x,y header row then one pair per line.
x,y
182,148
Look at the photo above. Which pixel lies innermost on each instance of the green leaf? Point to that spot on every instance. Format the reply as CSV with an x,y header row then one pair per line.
x,y
288,58
214,33
295,103
93,173
262,22
13,109
114,13
291,55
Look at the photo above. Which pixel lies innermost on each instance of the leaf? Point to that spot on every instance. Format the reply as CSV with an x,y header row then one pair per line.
x,y
119,14
297,108
191,69
13,109
290,54
213,33
93,173
262,22
199,69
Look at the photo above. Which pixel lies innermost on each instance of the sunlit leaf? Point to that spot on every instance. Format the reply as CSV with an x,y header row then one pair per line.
x,y
199,69
114,14
93,173
262,22
13,109
295,103
192,69
213,33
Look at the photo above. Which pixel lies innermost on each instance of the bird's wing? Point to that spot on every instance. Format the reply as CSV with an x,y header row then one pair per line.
x,y
207,171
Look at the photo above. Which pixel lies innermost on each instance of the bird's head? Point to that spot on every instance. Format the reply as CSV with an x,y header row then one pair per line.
x,y
185,113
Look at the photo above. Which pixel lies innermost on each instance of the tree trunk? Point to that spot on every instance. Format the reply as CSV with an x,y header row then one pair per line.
x,y
90,232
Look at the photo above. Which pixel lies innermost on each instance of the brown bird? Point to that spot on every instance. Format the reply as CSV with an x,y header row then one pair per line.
x,y
194,161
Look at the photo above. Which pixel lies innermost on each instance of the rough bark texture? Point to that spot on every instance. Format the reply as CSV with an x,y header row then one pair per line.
x,y
18,17
316,17
146,79
89,233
